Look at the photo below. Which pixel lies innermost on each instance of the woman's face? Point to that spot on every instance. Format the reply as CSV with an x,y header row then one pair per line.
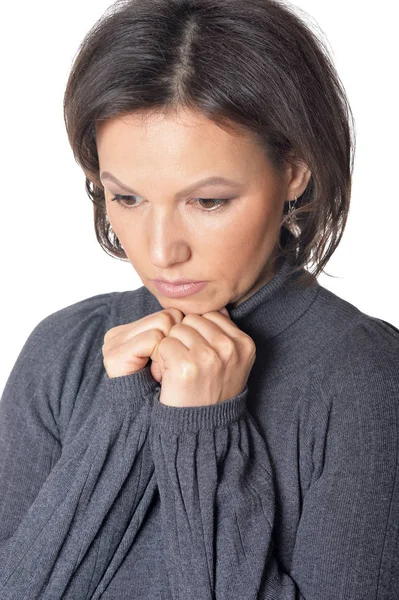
x,y
169,233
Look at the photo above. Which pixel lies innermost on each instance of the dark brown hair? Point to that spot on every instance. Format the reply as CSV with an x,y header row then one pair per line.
x,y
253,67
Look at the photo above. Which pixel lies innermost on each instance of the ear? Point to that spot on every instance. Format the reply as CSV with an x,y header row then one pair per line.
x,y
298,175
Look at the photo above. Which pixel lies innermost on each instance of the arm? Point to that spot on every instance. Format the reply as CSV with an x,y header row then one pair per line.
x,y
55,497
217,501
218,505
347,543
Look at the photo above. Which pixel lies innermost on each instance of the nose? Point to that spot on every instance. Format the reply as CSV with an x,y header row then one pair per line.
x,y
167,238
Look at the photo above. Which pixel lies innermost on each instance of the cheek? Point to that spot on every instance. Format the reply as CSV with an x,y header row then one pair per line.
x,y
247,245
247,234
121,224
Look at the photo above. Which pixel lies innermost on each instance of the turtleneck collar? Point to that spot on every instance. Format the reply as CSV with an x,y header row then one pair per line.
x,y
278,303
269,311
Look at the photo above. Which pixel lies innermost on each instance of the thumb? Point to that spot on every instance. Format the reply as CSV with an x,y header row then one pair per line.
x,y
224,312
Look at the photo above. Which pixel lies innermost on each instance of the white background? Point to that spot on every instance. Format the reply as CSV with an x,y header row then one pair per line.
x,y
50,257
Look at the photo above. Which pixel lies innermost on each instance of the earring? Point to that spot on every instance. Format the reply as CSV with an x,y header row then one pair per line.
x,y
291,206
293,227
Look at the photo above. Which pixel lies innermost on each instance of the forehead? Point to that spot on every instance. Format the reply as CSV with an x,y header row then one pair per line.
x,y
173,139
182,121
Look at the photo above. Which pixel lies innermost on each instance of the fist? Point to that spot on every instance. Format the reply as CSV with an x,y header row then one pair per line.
x,y
127,348
203,360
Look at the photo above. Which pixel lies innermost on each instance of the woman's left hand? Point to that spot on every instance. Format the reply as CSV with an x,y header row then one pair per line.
x,y
204,360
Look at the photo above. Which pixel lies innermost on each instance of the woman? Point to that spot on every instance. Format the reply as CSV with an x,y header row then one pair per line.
x,y
233,438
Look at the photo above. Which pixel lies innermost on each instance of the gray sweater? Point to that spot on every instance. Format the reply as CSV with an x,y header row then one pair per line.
x,y
289,490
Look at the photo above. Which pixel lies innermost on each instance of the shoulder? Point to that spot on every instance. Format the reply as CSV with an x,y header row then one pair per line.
x,y
72,325
60,351
355,393
354,339
59,355
68,342
71,338
369,359
374,343
358,369
342,332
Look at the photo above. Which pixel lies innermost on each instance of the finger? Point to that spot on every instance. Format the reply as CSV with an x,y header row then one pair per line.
x,y
173,352
133,354
212,325
162,320
187,335
243,342
200,334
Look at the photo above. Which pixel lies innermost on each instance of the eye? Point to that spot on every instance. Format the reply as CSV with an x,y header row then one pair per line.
x,y
122,200
218,203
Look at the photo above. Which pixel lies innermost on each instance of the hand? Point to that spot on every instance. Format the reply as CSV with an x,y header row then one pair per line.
x,y
204,360
127,348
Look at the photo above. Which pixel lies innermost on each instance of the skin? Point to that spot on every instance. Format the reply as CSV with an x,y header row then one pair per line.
x,y
199,355
163,236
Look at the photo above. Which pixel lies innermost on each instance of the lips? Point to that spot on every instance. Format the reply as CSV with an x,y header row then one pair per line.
x,y
179,291
177,281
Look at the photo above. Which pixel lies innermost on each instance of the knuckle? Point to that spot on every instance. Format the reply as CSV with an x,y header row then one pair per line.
x,y
110,333
163,342
208,355
167,320
249,345
158,334
189,319
228,348
108,353
174,314
107,365
107,336
175,327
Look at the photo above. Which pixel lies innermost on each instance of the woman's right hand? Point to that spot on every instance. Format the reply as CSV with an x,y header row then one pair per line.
x,y
127,348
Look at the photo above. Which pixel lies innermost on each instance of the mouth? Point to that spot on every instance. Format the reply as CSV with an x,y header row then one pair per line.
x,y
180,291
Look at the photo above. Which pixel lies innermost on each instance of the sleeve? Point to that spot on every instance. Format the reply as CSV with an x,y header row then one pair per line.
x,y
217,502
218,505
69,511
347,543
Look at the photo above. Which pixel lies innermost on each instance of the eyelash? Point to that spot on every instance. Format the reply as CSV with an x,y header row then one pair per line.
x,y
119,198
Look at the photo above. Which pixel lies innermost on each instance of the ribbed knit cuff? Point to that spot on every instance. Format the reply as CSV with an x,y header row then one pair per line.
x,y
175,419
136,388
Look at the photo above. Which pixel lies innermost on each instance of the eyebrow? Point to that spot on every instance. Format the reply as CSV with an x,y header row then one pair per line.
x,y
211,181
